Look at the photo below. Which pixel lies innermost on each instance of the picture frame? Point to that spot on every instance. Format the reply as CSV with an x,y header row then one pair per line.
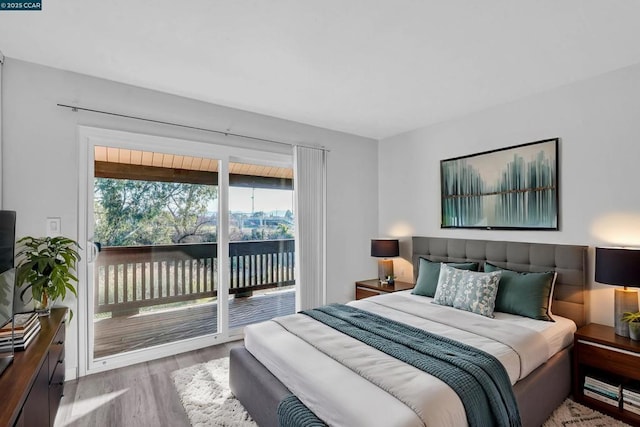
x,y
512,188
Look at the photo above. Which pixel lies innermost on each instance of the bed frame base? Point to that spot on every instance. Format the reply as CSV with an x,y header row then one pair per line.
x,y
260,392
255,387
543,390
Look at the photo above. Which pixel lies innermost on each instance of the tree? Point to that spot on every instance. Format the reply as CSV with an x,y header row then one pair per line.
x,y
187,205
131,212
282,231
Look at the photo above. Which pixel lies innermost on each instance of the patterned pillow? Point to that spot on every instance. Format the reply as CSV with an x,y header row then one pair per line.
x,y
447,285
467,290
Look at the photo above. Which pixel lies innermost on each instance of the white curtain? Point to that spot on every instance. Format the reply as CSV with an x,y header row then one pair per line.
x,y
309,182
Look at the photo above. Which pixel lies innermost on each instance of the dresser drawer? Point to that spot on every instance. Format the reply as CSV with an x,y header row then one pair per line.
x,y
56,390
617,361
56,351
35,411
365,293
372,287
58,373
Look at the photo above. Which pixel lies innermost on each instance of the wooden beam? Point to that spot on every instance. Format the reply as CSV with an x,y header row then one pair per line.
x,y
252,181
154,173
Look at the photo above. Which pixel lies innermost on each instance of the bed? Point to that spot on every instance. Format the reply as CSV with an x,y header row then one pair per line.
x,y
537,393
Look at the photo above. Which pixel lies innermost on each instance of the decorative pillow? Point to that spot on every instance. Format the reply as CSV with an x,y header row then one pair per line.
x,y
525,294
429,271
467,290
447,286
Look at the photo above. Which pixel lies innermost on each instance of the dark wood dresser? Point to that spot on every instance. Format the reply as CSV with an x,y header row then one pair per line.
x,y
33,384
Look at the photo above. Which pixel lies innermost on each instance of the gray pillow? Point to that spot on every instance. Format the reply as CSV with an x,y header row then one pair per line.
x,y
467,290
524,294
429,271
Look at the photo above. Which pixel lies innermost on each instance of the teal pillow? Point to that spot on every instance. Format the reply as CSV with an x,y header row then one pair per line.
x,y
524,294
429,271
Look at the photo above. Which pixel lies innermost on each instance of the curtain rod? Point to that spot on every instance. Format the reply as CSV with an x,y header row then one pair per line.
x,y
75,108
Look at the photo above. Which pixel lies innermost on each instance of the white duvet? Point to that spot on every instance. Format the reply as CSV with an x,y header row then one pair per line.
x,y
348,383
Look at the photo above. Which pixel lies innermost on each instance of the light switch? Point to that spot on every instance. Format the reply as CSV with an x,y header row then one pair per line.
x,y
53,227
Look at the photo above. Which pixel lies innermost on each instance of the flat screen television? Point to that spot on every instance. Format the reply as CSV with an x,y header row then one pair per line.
x,y
7,285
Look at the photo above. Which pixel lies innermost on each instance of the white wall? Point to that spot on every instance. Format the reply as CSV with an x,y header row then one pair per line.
x,y
598,123
40,163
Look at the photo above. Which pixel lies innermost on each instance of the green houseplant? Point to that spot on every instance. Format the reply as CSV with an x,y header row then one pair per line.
x,y
46,266
633,318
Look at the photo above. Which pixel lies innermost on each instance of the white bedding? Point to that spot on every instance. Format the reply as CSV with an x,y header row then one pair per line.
x,y
361,386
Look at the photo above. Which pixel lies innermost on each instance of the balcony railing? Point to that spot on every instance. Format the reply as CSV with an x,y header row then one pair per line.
x,y
128,278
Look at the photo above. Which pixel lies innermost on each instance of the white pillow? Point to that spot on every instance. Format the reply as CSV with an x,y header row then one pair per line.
x,y
553,288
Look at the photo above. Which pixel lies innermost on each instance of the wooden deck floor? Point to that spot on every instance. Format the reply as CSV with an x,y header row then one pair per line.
x,y
122,334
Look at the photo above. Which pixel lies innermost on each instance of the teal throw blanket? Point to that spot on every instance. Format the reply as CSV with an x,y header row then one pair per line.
x,y
477,377
293,413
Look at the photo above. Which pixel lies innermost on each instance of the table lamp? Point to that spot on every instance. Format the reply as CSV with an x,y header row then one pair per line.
x,y
385,248
620,266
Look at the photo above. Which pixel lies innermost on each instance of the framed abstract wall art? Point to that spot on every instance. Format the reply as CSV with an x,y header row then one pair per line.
x,y
513,188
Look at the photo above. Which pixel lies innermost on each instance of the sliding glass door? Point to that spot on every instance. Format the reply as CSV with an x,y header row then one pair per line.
x,y
192,245
155,219
261,243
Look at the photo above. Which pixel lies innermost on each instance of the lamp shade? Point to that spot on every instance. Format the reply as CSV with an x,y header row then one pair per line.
x,y
385,248
618,266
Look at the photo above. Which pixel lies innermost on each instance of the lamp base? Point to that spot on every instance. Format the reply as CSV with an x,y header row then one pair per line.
x,y
625,300
385,269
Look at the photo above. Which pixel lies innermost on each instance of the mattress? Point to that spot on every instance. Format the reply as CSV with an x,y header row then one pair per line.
x,y
348,383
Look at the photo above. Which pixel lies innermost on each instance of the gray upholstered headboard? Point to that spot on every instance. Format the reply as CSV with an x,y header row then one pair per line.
x,y
569,261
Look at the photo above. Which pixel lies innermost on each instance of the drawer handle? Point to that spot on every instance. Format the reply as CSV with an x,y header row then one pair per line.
x,y
60,343
60,362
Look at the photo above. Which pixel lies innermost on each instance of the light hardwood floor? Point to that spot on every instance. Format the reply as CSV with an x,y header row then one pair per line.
x,y
138,395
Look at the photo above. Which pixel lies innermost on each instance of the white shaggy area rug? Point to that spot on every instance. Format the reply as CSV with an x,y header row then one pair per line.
x,y
572,414
208,402
206,397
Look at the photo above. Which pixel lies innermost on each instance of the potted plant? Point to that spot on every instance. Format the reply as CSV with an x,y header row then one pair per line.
x,y
46,265
634,324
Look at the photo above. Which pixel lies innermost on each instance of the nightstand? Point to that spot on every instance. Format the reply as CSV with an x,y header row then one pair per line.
x,y
609,362
370,288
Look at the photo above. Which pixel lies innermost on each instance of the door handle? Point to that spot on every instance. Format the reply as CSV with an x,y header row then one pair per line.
x,y
94,250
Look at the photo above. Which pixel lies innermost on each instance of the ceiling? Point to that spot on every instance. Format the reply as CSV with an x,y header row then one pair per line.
x,y
373,68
